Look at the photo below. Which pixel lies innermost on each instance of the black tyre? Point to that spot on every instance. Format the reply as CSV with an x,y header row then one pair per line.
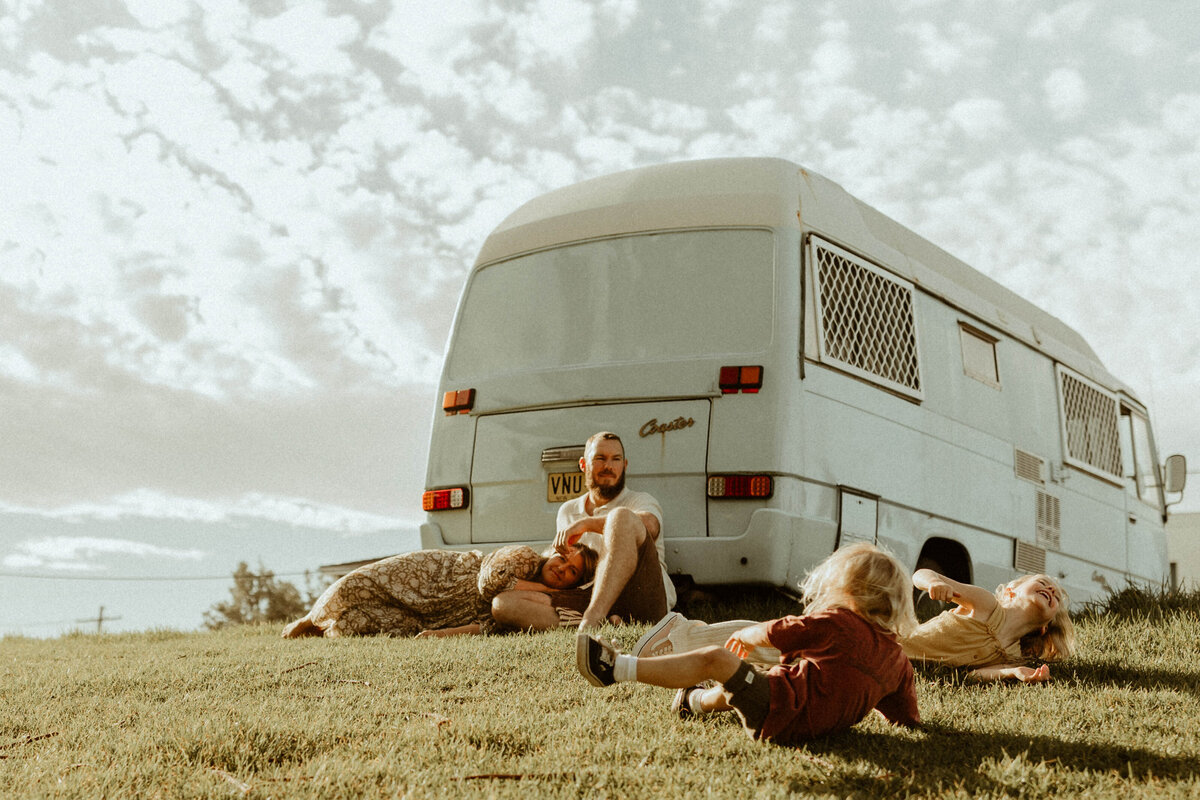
x,y
925,606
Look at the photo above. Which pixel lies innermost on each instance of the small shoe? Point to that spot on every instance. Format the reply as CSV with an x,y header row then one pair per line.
x,y
655,642
682,705
595,658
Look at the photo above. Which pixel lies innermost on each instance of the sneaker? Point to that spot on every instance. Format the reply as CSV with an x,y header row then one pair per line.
x,y
655,642
681,705
595,658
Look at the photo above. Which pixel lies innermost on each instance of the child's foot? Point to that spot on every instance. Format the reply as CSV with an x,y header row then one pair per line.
x,y
655,642
595,658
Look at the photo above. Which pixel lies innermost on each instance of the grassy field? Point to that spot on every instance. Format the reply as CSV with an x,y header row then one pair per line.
x,y
242,713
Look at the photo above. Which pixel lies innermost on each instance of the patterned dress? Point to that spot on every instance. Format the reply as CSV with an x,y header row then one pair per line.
x,y
405,594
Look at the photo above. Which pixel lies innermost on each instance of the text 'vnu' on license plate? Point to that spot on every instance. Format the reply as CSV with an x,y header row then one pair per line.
x,y
562,486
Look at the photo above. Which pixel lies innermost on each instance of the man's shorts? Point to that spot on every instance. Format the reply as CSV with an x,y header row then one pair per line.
x,y
643,599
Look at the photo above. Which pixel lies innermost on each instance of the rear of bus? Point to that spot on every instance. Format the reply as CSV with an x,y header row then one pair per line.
x,y
661,304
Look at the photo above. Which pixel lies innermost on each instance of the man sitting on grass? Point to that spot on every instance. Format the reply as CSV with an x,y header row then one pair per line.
x,y
625,527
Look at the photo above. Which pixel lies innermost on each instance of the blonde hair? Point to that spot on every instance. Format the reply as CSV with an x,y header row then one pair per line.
x,y
1058,640
866,580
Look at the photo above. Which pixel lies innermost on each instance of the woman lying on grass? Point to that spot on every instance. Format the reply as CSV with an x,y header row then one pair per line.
x,y
839,660
439,592
996,633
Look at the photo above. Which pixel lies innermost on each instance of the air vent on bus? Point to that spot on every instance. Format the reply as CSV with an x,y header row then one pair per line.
x,y
1028,558
1049,525
1029,466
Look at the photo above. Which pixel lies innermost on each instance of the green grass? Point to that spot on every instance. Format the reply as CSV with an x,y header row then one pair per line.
x,y
242,713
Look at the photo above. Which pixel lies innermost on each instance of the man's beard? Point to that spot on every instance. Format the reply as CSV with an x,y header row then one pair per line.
x,y
606,492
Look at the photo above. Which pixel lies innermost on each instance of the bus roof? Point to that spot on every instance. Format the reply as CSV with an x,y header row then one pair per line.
x,y
775,193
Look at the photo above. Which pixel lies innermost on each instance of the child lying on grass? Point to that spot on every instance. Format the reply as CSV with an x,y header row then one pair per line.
x,y
996,633
839,660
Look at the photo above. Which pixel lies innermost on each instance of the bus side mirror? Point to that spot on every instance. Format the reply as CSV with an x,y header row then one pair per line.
x,y
1175,474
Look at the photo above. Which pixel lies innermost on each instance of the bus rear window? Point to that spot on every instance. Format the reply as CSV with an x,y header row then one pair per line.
x,y
652,297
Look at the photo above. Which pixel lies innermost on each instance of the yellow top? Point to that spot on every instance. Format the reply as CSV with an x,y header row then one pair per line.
x,y
957,640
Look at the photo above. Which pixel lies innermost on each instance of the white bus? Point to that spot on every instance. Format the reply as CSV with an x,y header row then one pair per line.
x,y
790,370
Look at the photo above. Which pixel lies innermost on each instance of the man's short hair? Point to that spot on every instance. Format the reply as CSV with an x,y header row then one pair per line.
x,y
590,446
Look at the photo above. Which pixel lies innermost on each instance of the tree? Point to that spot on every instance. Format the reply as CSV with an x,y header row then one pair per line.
x,y
259,597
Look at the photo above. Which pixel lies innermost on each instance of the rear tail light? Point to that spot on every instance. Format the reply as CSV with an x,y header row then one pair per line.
x,y
458,402
740,486
444,499
747,379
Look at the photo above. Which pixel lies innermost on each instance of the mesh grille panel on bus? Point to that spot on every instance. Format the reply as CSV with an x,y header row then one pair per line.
x,y
865,319
1089,416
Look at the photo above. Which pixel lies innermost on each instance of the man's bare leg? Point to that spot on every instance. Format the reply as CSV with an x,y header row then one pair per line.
x,y
624,534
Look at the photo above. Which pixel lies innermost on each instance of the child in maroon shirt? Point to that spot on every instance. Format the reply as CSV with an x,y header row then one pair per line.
x,y
839,660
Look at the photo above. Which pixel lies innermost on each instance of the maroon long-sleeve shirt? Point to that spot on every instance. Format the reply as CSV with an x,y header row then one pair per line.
x,y
835,667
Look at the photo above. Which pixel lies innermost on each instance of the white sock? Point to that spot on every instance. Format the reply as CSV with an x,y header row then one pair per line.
x,y
694,701
625,669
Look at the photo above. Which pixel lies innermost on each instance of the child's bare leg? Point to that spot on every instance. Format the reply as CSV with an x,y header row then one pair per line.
x,y
688,669
714,699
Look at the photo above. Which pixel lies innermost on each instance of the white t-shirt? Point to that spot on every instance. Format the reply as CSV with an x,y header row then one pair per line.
x,y
572,511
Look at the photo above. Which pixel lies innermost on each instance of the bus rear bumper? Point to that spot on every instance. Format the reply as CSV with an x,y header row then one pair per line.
x,y
776,549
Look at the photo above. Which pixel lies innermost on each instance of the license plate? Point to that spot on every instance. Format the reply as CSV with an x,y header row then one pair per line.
x,y
562,486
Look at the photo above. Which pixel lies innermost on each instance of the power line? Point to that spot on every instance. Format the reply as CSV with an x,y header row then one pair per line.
x,y
146,578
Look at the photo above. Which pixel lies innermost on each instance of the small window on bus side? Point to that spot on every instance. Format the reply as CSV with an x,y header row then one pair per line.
x,y
1141,473
979,355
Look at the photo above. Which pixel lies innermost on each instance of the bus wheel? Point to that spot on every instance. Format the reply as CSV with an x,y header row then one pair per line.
x,y
925,606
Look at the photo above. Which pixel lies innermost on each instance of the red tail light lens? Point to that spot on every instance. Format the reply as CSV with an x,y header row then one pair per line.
x,y
444,499
740,486
458,402
748,379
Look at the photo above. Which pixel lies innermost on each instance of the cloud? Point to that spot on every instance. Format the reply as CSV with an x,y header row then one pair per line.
x,y
1134,37
979,117
155,506
945,50
1061,23
834,59
1066,93
83,553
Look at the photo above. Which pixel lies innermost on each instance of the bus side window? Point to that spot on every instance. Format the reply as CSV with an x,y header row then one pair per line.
x,y
1141,474
979,355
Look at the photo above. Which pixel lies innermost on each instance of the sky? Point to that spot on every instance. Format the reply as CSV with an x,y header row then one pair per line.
x,y
233,233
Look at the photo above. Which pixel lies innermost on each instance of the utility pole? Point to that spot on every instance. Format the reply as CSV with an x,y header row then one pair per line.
x,y
99,620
